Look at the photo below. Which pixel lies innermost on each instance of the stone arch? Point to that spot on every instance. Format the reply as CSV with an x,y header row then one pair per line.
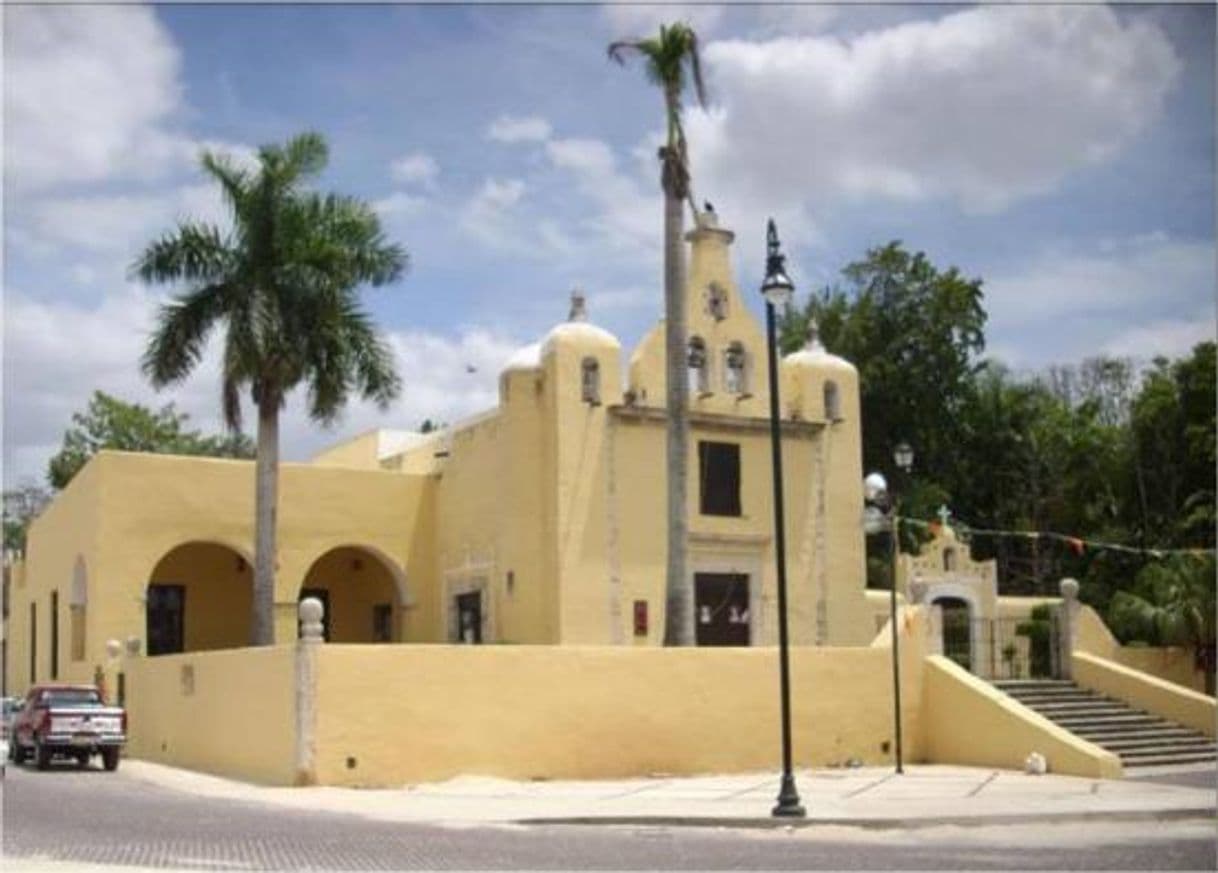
x,y
199,597
948,596
363,591
78,603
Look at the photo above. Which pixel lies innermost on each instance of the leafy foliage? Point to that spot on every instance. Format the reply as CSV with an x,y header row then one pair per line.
x,y
1101,450
21,506
110,423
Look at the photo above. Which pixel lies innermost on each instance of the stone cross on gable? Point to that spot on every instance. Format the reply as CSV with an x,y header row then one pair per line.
x,y
944,514
579,306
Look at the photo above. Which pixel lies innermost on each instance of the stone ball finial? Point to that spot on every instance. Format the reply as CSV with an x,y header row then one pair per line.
x,y
113,649
812,338
133,646
310,611
1069,589
579,306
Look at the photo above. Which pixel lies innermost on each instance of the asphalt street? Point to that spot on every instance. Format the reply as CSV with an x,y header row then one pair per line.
x,y
93,817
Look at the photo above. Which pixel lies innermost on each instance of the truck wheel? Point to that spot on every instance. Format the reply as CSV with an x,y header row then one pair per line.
x,y
110,759
82,760
17,751
42,756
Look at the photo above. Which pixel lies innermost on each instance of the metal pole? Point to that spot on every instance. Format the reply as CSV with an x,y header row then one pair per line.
x,y
896,650
788,797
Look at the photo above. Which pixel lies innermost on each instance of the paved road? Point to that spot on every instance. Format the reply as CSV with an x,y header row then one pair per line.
x,y
111,818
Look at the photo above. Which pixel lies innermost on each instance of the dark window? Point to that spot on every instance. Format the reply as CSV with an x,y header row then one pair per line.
x,y
382,623
54,634
323,595
166,614
719,476
33,643
469,617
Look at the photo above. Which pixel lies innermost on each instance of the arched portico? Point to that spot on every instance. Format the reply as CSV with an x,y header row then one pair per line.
x,y
199,597
959,614
363,592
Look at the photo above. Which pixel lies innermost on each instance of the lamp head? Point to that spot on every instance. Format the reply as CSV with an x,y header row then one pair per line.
x,y
903,456
777,287
875,488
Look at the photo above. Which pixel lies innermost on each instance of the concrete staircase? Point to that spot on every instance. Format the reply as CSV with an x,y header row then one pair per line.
x,y
1138,738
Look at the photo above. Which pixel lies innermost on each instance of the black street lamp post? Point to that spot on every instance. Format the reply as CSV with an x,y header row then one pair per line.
x,y
881,500
778,289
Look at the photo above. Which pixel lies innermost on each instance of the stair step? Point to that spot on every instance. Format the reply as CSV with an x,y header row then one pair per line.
x,y
1089,708
1136,735
1159,742
1067,697
1160,759
1017,684
1100,721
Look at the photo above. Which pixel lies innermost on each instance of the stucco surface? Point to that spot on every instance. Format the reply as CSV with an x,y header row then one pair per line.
x,y
968,721
420,713
1158,696
1172,664
231,713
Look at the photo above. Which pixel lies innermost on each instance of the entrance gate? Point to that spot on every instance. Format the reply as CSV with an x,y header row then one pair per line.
x,y
1005,648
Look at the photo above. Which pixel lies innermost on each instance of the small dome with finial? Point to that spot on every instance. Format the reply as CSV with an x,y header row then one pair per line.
x,y
814,353
577,330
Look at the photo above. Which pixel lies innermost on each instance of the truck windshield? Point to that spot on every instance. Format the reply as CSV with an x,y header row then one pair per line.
x,y
71,697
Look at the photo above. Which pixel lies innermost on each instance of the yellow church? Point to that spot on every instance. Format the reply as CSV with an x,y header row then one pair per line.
x,y
538,521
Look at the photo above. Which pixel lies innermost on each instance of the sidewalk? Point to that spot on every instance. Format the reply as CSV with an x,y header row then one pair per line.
x,y
870,797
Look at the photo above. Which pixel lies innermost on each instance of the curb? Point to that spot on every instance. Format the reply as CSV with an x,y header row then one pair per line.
x,y
1207,813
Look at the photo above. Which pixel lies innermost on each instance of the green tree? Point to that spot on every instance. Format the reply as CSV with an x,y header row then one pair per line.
x,y
914,332
281,284
1172,604
21,506
672,63
110,423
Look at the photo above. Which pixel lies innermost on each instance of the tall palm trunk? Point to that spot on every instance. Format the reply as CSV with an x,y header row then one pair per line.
x,y
679,606
266,490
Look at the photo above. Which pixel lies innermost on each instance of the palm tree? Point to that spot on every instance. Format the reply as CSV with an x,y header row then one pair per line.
x,y
1172,604
670,58
281,283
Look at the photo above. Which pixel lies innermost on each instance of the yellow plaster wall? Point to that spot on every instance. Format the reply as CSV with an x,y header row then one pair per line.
x,y
65,531
1154,695
1168,663
967,721
359,452
542,712
125,512
231,713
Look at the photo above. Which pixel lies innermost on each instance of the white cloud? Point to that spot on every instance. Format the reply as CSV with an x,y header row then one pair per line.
x,y
628,215
1126,279
57,353
1126,297
636,20
417,168
1172,338
491,218
509,129
399,204
90,92
984,106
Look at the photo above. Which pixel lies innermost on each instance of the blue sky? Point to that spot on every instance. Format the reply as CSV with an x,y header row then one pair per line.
x,y
1065,155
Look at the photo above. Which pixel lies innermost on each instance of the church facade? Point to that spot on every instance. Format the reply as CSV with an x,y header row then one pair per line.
x,y
540,521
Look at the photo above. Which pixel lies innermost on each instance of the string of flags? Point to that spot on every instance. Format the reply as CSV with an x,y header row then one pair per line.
x,y
1078,545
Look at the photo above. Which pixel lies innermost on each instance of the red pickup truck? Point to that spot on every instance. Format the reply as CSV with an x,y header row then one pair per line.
x,y
68,720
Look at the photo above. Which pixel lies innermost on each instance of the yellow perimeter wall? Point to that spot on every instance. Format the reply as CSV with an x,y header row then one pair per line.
x,y
968,721
1154,695
1170,664
419,713
232,712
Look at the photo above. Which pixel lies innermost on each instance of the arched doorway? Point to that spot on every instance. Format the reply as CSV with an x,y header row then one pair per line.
x,y
362,593
199,597
957,630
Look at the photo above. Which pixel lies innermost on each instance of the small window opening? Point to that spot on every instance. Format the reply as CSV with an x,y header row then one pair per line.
x,y
699,378
719,478
736,362
833,403
591,381
949,560
382,623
